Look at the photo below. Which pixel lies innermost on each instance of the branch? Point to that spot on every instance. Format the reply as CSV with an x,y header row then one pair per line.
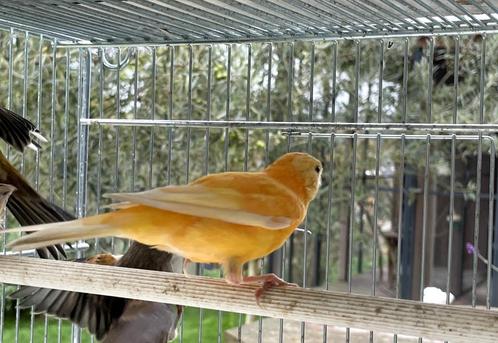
x,y
443,322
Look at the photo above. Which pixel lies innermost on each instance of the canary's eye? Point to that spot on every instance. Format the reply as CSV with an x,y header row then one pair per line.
x,y
318,169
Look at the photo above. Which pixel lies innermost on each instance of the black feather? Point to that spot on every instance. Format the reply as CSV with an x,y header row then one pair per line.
x,y
15,130
27,206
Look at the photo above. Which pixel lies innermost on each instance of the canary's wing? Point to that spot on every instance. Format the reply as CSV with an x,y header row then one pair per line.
x,y
239,198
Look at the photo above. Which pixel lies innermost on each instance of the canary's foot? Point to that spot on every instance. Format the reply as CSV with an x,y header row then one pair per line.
x,y
186,263
267,282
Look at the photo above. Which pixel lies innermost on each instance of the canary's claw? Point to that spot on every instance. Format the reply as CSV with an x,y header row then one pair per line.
x,y
267,282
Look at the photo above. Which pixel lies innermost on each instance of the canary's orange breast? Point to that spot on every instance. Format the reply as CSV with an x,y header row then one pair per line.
x,y
198,239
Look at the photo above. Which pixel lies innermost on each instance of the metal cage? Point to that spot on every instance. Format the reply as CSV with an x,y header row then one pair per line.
x,y
397,98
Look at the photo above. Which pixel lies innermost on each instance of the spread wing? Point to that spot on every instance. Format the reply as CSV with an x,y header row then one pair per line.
x,y
253,201
95,312
18,131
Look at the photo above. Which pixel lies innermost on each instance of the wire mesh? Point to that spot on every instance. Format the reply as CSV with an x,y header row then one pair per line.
x,y
407,144
157,22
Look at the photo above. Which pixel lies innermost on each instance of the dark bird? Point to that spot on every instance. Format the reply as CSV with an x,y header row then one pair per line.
x,y
27,206
19,132
5,193
111,319
117,320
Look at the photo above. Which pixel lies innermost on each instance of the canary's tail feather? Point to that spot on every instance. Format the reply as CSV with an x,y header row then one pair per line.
x,y
58,233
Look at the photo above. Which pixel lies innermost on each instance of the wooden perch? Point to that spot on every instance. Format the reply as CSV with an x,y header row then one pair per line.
x,y
452,323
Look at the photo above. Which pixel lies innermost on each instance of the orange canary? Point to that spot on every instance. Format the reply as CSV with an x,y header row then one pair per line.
x,y
227,218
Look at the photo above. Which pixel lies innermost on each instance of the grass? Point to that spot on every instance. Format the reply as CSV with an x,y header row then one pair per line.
x,y
190,329
209,324
39,330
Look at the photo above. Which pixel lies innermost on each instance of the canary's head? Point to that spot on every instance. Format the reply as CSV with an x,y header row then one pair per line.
x,y
299,171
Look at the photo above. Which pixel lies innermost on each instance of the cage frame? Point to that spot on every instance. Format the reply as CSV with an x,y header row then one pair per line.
x,y
295,128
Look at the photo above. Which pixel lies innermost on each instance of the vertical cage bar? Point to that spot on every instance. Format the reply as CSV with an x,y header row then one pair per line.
x,y
430,82
425,213
225,154
170,104
312,80
227,113
52,133
305,231
37,163
451,217
84,111
206,171
75,337
37,157
39,99
381,79
12,37
424,218
305,235
66,124
268,103
100,146
246,144
188,138
248,103
4,235
27,39
353,176
404,97
52,115
24,112
117,138
376,219
334,80
189,112
100,57
329,223
400,217
65,156
331,178
351,222
134,128
208,104
492,159
478,172
267,159
357,80
290,83
405,80
152,116
456,73
482,79
170,136
100,136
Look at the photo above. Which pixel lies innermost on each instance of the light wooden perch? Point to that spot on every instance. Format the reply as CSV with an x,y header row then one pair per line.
x,y
452,323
